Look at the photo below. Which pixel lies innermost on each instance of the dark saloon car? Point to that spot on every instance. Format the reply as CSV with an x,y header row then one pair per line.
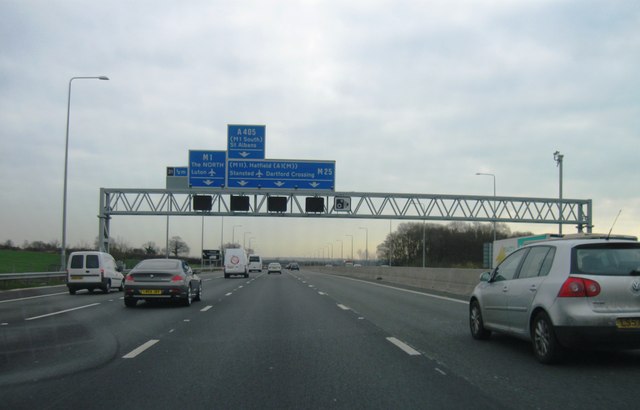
x,y
162,279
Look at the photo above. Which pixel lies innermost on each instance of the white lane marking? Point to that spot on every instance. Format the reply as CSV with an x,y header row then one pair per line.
x,y
135,352
187,320
404,347
240,287
33,297
321,293
441,372
62,311
204,309
229,294
343,307
464,302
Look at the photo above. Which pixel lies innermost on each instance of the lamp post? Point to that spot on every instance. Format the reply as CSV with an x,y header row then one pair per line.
x,y
494,203
63,250
558,157
351,246
366,246
233,233
330,250
341,248
244,240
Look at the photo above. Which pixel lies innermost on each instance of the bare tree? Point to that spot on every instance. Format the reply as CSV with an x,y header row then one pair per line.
x,y
178,247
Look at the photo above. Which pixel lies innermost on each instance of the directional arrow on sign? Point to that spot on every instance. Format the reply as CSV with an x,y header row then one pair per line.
x,y
314,184
244,154
207,182
242,183
279,183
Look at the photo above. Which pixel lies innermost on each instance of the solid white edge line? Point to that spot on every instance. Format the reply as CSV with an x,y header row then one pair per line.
x,y
404,347
343,307
62,311
204,309
135,352
33,297
464,302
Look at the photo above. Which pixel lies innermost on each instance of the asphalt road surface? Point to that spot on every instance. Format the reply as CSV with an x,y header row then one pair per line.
x,y
300,340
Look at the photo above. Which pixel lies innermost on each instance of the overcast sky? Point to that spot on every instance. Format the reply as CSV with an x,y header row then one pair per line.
x,y
405,96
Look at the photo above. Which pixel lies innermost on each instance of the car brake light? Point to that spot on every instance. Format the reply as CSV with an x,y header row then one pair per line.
x,y
177,278
579,287
129,278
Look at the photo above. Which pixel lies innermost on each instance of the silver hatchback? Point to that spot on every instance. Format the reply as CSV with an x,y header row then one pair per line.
x,y
563,293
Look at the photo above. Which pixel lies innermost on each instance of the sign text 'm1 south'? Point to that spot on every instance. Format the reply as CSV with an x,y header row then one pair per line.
x,y
246,141
207,169
279,173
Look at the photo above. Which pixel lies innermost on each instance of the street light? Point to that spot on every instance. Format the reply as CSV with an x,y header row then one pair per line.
x,y
558,157
233,233
63,251
494,203
351,246
244,240
366,249
341,248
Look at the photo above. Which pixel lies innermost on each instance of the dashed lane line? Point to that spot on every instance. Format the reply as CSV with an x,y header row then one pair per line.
x,y
404,347
135,352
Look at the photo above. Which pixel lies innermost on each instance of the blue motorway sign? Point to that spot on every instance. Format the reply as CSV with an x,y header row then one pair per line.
x,y
207,168
281,173
246,141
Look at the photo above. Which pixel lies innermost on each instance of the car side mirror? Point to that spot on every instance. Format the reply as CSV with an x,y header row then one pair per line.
x,y
485,276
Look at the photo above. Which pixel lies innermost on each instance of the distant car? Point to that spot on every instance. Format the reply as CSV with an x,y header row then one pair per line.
x,y
563,293
274,267
294,266
162,279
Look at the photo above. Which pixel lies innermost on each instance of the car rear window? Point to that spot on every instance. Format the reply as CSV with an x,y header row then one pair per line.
x,y
607,259
77,262
161,264
254,259
93,262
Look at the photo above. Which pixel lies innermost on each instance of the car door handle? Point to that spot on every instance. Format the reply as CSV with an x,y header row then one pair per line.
x,y
505,289
533,288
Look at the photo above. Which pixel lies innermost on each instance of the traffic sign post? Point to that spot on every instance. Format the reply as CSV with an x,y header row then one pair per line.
x,y
207,169
246,141
281,174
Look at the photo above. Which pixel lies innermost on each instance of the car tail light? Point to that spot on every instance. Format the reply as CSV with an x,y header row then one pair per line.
x,y
129,278
579,287
177,278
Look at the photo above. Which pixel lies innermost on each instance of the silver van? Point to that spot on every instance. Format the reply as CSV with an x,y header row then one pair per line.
x,y
92,269
255,263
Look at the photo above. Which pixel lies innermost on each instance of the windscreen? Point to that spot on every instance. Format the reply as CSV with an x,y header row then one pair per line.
x,y
610,259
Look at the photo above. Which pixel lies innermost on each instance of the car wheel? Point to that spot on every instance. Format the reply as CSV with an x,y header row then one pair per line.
x,y
130,302
198,296
546,347
72,291
107,286
189,298
476,324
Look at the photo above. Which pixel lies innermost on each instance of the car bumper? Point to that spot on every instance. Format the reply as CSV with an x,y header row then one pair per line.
x,y
174,292
606,337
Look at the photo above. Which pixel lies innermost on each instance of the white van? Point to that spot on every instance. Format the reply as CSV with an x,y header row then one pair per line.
x,y
235,262
255,263
91,270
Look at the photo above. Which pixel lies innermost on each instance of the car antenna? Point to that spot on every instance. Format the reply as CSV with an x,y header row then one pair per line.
x,y
612,225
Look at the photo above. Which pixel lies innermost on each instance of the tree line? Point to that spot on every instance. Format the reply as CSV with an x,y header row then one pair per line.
x,y
457,244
